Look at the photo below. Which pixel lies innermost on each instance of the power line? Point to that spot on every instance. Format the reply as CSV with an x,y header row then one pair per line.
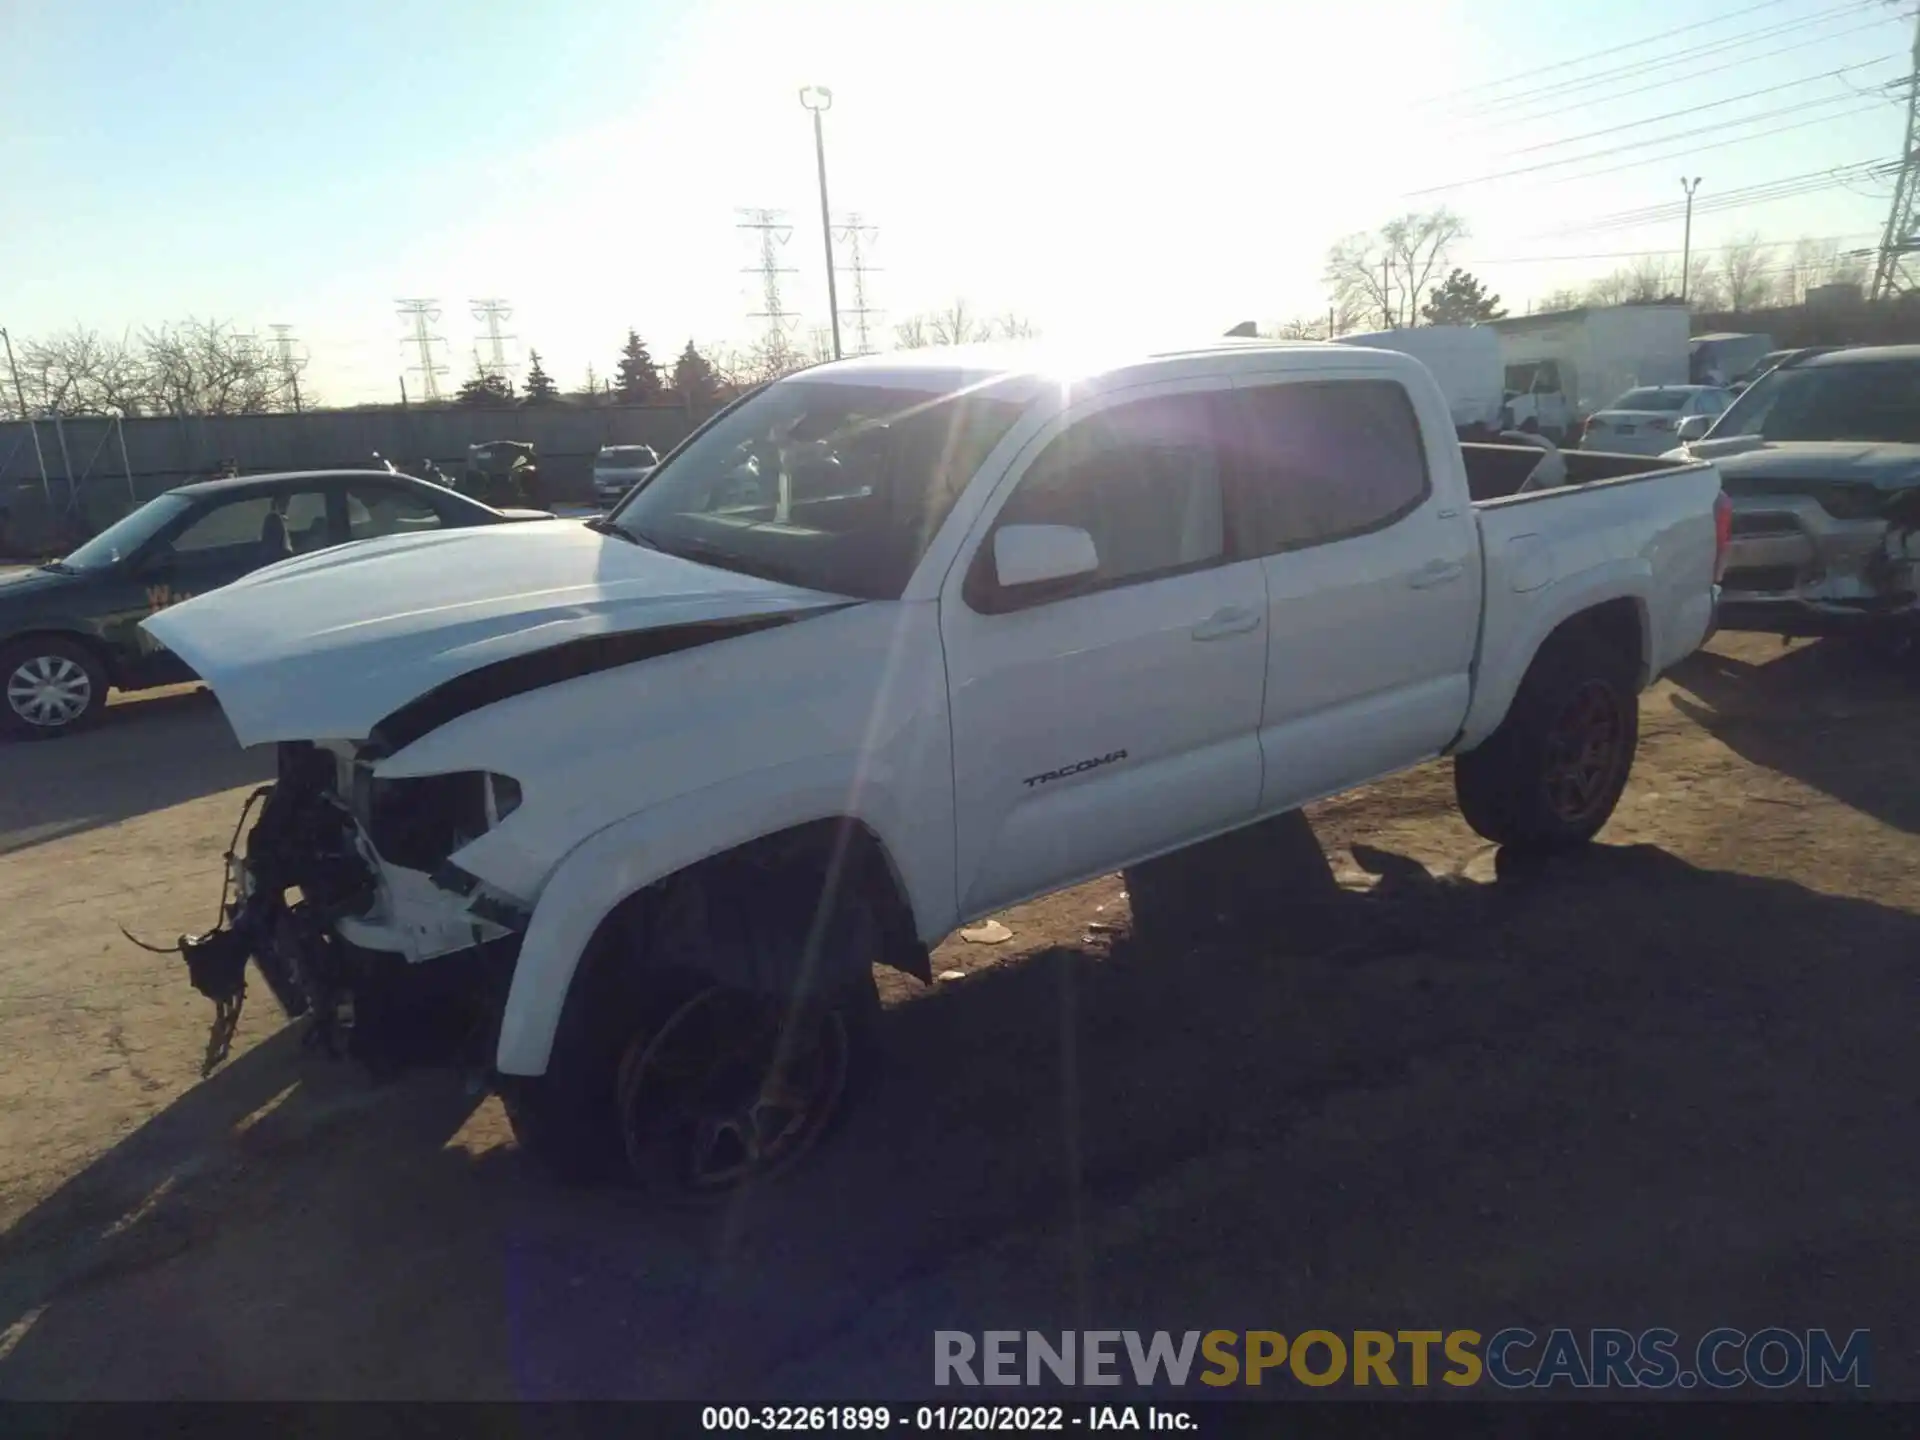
x,y
1757,194
855,236
1539,166
423,313
1483,261
773,231
491,313
290,367
1591,55
1551,108
1798,28
1902,238
1709,105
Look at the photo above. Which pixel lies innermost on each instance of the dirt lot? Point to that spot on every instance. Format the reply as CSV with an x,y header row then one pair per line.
x,y
1670,1082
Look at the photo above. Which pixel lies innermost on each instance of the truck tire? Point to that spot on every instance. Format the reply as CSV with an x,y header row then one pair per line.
x,y
50,686
677,1083
1550,776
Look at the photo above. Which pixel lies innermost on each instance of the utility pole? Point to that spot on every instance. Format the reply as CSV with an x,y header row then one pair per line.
x,y
1386,293
33,428
770,226
819,100
289,367
855,236
1686,237
1902,235
422,313
491,313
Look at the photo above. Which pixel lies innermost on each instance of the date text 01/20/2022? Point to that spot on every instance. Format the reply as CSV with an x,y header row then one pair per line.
x,y
997,1418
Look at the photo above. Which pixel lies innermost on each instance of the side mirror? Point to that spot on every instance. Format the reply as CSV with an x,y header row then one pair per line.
x,y
1035,554
1694,427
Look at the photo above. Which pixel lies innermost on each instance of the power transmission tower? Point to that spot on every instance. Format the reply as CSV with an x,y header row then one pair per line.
x,y
290,366
491,313
423,313
1890,275
856,237
775,346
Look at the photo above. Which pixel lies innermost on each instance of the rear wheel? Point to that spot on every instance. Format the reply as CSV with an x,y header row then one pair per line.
x,y
1550,776
53,686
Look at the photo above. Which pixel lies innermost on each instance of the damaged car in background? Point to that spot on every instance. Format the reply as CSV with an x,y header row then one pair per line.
x,y
626,814
1821,458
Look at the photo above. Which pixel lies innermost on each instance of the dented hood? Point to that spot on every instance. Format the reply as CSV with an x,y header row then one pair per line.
x,y
324,646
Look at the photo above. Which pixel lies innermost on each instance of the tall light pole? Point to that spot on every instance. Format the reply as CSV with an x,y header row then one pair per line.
x,y
819,100
1686,241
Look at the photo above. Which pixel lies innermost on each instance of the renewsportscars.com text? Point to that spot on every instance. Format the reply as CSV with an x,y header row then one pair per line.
x,y
1513,1359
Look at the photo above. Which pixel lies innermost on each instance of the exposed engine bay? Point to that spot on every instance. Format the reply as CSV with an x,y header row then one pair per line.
x,y
308,871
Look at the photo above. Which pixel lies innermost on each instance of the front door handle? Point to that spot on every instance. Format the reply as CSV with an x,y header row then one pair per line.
x,y
1228,620
1439,572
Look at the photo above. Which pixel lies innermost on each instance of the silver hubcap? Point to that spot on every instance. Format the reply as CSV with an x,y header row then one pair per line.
x,y
49,690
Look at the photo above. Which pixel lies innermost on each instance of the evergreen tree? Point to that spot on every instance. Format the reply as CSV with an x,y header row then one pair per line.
x,y
1461,300
636,379
695,379
486,389
540,389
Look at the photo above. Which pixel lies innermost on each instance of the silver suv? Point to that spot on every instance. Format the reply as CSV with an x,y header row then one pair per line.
x,y
618,468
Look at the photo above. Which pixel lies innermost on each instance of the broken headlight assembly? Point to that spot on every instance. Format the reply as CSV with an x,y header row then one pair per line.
x,y
416,823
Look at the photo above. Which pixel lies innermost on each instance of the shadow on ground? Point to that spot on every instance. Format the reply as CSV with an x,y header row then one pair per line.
x,y
146,754
1832,715
1614,1090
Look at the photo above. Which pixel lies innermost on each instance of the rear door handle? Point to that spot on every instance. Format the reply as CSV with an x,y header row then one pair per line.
x,y
1227,620
1438,572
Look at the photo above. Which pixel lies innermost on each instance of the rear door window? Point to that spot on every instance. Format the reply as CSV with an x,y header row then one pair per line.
x,y
1322,461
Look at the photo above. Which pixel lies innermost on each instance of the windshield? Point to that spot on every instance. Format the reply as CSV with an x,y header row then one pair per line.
x,y
1650,400
626,457
1872,401
826,486
128,534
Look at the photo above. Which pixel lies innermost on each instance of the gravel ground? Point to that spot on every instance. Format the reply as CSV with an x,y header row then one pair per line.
x,y
1668,1082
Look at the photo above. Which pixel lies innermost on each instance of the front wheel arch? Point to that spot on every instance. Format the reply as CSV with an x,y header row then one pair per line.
x,y
640,963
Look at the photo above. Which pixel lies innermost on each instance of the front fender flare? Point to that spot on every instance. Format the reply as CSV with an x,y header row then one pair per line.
x,y
631,854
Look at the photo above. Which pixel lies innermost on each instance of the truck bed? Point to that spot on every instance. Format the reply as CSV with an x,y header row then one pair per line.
x,y
1496,472
1601,533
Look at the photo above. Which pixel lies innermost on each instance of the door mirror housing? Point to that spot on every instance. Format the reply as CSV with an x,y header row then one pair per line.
x,y
1695,427
1037,554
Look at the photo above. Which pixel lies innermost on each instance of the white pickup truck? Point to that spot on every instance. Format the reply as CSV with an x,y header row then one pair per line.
x,y
886,646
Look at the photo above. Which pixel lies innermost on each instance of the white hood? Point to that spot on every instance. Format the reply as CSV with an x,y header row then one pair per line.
x,y
324,646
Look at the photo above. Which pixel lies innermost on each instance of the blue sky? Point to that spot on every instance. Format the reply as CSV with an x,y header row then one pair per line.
x,y
1156,168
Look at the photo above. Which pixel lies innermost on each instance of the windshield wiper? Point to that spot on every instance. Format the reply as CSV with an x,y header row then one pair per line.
x,y
600,525
60,567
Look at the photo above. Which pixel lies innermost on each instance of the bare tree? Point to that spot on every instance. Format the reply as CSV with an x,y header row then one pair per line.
x,y
1388,274
1744,272
911,334
957,325
1361,280
207,367
1564,298
1012,326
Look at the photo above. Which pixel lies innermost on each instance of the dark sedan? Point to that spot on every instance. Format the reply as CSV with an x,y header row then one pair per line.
x,y
71,629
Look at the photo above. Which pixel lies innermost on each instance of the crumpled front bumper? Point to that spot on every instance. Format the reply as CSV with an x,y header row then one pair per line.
x,y
1795,568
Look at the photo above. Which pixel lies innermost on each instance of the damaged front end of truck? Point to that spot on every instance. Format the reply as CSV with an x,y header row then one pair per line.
x,y
328,850
1809,557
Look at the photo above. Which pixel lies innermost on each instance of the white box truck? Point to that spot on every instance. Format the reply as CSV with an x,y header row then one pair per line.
x,y
1465,359
1560,368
